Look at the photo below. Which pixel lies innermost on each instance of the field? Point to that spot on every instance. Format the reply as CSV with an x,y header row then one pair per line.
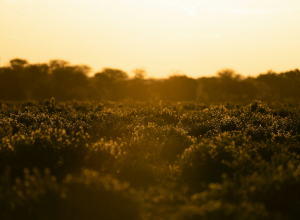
x,y
149,161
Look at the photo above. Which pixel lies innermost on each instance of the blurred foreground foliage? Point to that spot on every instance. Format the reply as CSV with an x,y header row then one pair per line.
x,y
135,160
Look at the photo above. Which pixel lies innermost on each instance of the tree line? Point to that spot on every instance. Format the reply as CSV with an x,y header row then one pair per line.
x,y
21,80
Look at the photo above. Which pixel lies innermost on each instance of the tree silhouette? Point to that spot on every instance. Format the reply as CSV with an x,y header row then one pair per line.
x,y
57,78
110,84
229,85
18,63
36,79
68,82
11,83
178,88
138,86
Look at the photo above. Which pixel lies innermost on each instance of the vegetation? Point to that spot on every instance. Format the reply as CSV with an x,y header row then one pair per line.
x,y
135,160
20,81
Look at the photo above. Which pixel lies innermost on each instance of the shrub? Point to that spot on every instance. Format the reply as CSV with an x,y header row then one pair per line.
x,y
89,196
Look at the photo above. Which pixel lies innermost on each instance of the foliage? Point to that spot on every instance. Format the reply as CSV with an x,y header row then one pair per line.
x,y
138,160
20,81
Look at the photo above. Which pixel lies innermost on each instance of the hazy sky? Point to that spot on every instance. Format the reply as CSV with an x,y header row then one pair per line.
x,y
195,37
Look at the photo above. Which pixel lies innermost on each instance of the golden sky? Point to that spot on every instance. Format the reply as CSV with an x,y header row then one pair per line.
x,y
195,37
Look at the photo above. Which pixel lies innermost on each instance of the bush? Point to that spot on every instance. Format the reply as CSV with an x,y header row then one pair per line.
x,y
89,196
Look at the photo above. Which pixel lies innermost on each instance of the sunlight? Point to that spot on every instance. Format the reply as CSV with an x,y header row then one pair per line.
x,y
196,37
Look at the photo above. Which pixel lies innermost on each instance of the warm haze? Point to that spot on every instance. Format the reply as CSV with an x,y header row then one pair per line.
x,y
197,38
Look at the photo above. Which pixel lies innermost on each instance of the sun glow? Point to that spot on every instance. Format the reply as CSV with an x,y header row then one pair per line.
x,y
194,37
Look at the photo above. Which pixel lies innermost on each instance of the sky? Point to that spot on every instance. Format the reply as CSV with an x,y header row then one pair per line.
x,y
193,37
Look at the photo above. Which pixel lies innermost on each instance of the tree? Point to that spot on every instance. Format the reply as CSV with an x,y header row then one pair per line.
x,y
18,63
178,88
137,87
37,81
68,82
110,84
230,85
12,86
